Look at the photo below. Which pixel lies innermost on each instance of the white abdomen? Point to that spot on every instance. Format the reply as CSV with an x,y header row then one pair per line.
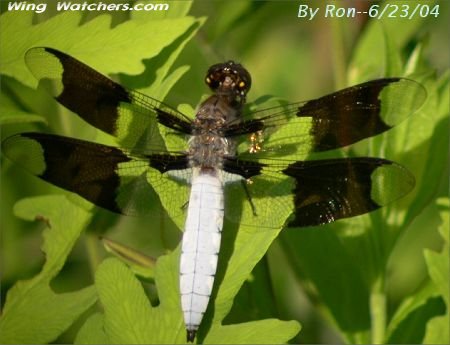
x,y
200,248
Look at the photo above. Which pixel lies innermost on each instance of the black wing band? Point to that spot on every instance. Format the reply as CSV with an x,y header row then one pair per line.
x,y
338,119
103,175
328,190
97,99
246,169
356,115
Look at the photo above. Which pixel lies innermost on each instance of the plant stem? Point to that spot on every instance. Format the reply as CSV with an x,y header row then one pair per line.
x,y
378,312
338,49
92,250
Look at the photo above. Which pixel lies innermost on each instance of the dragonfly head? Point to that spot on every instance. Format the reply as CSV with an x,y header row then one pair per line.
x,y
229,78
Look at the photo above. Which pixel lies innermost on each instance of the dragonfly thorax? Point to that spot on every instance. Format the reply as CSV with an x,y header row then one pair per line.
x,y
208,146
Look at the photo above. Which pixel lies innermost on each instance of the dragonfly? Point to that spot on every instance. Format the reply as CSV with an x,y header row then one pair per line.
x,y
225,152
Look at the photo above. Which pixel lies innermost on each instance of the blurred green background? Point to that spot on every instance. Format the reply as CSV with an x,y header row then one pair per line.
x,y
288,57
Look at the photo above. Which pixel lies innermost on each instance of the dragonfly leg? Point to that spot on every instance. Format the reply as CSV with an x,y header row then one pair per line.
x,y
249,198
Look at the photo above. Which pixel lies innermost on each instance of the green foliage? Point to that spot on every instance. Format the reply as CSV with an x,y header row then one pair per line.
x,y
350,272
349,269
438,267
33,312
63,32
129,317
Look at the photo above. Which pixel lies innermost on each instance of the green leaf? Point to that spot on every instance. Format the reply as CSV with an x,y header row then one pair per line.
x,y
129,317
437,331
377,49
408,306
33,312
329,264
63,32
255,332
426,137
241,250
438,265
10,113
412,329
14,116
92,331
408,323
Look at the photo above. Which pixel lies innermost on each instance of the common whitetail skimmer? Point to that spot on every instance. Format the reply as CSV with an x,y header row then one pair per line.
x,y
225,152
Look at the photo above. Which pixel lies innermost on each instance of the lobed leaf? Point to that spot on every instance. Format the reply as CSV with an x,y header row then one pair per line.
x,y
33,312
